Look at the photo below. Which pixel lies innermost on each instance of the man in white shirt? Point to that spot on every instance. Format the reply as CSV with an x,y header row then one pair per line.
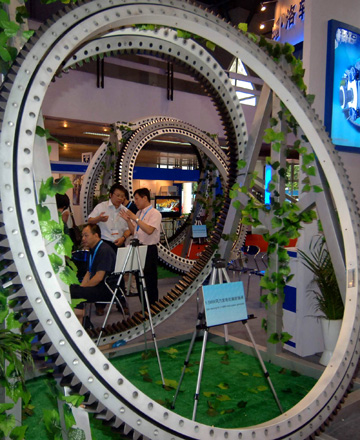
x,y
114,229
145,225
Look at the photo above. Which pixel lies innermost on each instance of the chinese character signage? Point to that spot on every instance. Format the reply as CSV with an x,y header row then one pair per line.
x,y
289,21
224,303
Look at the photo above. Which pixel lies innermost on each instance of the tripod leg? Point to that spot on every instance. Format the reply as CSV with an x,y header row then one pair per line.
x,y
142,279
186,362
108,311
266,374
201,366
114,292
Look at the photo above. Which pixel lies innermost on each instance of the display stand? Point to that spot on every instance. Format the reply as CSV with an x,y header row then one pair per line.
x,y
132,262
223,303
198,231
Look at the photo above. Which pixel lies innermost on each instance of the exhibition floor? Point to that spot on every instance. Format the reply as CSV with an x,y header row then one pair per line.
x,y
182,322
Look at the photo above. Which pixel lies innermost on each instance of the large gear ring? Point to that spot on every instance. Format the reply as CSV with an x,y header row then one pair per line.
x,y
126,406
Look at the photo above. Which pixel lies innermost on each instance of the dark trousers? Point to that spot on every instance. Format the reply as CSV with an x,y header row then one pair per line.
x,y
150,273
91,294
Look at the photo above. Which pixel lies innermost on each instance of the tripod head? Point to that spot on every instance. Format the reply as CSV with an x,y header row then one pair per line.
x,y
134,242
218,263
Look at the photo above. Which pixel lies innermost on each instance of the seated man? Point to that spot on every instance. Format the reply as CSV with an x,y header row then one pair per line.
x,y
101,263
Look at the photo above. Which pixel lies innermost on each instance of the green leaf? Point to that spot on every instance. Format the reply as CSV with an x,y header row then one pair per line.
x,y
5,407
275,165
236,204
64,245
76,302
51,420
43,212
51,230
68,417
171,350
56,262
273,122
209,394
18,433
223,397
50,188
262,388
285,337
183,34
210,45
74,399
273,298
276,146
310,99
68,276
241,164
171,383
5,54
274,338
7,424
306,188
12,322
243,27
276,222
10,28
223,386
317,189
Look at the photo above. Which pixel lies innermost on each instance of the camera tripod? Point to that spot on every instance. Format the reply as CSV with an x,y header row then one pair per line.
x,y
219,272
131,254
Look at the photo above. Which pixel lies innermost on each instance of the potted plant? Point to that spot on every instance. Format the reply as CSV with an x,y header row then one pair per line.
x,y
327,294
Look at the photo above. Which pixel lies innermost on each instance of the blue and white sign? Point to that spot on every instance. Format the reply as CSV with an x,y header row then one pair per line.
x,y
224,303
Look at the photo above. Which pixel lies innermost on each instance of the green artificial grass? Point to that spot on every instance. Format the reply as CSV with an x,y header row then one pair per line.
x,y
234,392
165,273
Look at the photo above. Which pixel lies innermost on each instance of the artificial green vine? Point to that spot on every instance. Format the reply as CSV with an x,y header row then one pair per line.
x,y
180,33
15,356
53,231
286,217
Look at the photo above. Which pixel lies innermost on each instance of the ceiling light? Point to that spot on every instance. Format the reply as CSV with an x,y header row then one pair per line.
x,y
262,25
65,125
263,4
91,133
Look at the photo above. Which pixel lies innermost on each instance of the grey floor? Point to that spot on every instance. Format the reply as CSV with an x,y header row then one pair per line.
x,y
345,424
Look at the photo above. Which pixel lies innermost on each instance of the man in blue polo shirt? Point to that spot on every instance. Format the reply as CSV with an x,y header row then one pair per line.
x,y
101,263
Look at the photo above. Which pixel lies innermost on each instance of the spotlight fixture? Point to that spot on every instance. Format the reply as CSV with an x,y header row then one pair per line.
x,y
263,4
65,125
263,24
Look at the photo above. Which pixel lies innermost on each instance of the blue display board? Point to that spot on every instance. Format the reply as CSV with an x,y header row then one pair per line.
x,y
342,97
199,231
224,303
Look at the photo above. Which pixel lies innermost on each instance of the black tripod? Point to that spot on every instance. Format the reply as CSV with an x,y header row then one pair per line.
x,y
217,271
134,253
